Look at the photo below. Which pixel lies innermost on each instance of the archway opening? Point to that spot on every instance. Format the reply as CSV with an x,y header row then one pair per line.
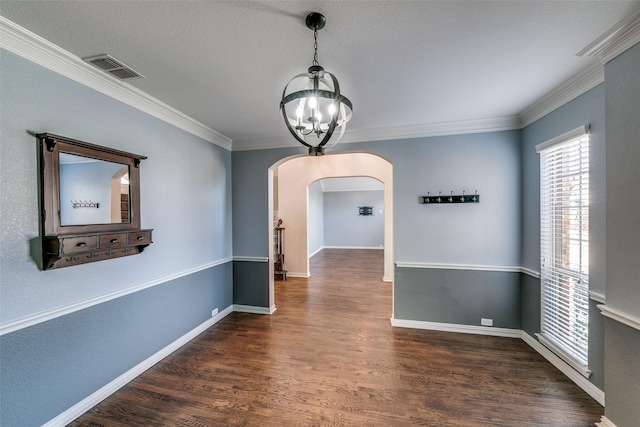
x,y
289,181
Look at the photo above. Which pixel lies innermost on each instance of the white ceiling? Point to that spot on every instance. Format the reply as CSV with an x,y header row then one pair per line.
x,y
402,63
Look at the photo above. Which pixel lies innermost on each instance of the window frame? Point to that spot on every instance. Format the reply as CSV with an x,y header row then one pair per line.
x,y
564,243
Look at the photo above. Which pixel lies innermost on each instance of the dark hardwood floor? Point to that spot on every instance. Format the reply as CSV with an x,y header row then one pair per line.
x,y
329,357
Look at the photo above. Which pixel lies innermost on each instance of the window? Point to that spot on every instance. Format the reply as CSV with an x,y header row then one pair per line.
x,y
564,246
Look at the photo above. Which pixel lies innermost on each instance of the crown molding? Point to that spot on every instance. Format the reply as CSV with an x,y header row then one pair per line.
x,y
36,49
392,133
616,40
567,91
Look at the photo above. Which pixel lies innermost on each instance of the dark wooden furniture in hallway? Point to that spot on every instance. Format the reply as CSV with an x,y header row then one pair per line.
x,y
329,356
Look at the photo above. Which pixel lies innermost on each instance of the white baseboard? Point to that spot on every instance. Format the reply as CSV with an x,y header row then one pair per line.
x,y
605,422
353,247
294,274
254,309
572,374
317,251
92,400
47,315
451,327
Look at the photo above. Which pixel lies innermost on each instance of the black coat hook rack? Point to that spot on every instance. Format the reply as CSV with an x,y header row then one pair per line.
x,y
451,198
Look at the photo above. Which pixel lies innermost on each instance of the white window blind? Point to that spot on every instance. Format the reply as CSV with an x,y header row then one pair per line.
x,y
564,246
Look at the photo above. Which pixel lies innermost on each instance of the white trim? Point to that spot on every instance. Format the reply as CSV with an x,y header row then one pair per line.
x,y
45,316
352,247
391,133
597,296
495,268
251,259
295,274
34,48
605,422
565,137
387,279
567,91
254,309
531,273
573,375
316,252
616,40
98,396
620,316
561,354
452,327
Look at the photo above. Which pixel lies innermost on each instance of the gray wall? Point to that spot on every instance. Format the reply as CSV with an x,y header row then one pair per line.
x,y
483,234
49,367
458,296
345,227
251,219
487,162
185,198
248,280
587,109
622,350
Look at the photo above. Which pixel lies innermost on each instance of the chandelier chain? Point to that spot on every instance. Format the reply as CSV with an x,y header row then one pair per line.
x,y
315,46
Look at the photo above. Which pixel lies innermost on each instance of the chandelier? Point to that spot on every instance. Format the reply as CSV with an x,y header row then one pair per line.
x,y
312,106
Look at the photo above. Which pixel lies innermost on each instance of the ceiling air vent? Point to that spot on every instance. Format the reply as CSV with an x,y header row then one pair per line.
x,y
113,66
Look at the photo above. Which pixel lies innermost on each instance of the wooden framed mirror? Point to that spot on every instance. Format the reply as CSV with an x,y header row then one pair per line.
x,y
89,202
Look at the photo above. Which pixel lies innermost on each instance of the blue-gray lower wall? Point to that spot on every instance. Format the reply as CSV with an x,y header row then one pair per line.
x,y
51,366
596,345
249,278
622,344
530,304
458,296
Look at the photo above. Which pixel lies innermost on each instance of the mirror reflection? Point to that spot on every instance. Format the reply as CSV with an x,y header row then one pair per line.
x,y
93,191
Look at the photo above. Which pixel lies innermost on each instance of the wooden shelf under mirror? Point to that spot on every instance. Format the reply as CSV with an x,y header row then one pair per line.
x,y
89,202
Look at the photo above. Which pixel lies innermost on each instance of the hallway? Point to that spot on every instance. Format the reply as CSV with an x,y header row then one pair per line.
x,y
329,356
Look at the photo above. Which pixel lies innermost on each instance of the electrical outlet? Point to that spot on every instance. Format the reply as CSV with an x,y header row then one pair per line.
x,y
486,322
214,312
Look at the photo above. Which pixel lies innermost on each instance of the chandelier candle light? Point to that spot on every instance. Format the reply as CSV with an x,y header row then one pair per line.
x,y
312,106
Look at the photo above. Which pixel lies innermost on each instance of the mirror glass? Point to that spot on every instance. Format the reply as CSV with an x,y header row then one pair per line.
x,y
93,191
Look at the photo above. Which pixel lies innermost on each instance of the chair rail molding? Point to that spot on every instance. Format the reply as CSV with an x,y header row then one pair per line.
x,y
45,316
503,269
619,316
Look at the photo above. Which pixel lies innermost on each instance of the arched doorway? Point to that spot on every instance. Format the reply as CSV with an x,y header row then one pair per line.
x,y
298,172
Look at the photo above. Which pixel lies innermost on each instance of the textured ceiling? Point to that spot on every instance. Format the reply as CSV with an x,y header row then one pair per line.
x,y
402,63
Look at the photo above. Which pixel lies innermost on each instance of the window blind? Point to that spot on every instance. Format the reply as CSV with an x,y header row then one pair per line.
x,y
564,246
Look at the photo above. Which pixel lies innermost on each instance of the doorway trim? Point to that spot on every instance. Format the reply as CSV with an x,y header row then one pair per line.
x,y
309,169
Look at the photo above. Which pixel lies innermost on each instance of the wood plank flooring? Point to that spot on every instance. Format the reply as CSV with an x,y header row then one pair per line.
x,y
329,357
